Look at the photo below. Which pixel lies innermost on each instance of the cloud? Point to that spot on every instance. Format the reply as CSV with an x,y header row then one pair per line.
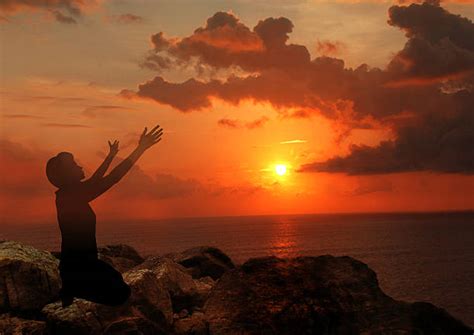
x,y
228,123
293,142
125,18
330,48
21,116
66,125
158,186
58,8
234,124
60,17
431,80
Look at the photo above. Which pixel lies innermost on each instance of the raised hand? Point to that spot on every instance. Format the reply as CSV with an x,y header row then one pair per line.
x,y
149,139
113,148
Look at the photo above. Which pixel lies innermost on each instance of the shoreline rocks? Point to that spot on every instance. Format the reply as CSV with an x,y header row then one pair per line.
x,y
201,291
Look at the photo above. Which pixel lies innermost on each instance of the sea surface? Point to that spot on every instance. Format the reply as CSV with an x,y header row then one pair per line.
x,y
417,257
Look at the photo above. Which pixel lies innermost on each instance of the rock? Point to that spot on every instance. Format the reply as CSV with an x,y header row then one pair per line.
x,y
315,295
121,256
11,325
204,286
194,324
174,278
29,278
149,298
204,261
135,326
80,318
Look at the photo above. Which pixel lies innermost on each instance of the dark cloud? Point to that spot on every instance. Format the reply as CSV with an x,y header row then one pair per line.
x,y
234,124
228,123
73,8
429,82
60,17
441,142
126,18
440,44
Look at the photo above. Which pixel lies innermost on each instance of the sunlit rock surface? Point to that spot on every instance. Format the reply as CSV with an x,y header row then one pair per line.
x,y
29,278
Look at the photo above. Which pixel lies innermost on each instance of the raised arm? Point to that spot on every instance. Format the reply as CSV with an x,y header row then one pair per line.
x,y
93,188
113,150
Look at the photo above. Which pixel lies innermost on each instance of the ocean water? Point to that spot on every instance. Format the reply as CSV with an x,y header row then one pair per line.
x,y
417,257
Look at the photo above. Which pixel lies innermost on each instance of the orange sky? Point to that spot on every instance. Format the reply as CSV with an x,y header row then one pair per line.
x,y
238,94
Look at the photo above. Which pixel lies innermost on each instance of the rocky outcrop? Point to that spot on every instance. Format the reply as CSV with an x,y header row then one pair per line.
x,y
316,295
203,261
29,278
201,292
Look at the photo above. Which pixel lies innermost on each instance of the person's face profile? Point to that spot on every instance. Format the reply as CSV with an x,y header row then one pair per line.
x,y
74,171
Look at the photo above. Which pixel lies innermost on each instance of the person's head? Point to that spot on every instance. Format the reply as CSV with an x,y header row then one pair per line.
x,y
62,170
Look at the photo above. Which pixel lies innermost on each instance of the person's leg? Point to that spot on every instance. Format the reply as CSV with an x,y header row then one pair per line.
x,y
102,284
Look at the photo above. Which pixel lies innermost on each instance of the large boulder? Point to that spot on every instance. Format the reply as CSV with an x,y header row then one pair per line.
x,y
149,298
29,278
121,256
11,325
315,295
173,277
203,261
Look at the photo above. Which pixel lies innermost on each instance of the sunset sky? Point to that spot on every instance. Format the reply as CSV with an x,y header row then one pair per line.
x,y
367,104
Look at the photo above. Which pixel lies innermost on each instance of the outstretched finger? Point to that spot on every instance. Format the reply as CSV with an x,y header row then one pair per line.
x,y
158,133
155,128
144,131
110,144
156,141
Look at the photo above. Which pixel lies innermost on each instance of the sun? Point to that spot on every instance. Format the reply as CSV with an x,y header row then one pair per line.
x,y
280,169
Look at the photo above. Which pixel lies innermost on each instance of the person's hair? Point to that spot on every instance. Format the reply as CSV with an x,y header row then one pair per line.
x,y
55,169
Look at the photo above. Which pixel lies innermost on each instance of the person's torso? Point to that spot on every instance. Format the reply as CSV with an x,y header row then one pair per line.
x,y
77,222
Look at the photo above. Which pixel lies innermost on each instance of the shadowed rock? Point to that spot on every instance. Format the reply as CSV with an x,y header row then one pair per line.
x,y
194,324
316,295
122,257
134,325
80,318
17,326
29,278
203,261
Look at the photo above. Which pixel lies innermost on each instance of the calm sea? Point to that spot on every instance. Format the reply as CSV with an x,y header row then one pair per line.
x,y
417,257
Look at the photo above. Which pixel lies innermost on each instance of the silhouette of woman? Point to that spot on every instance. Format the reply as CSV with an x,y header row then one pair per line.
x,y
83,274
